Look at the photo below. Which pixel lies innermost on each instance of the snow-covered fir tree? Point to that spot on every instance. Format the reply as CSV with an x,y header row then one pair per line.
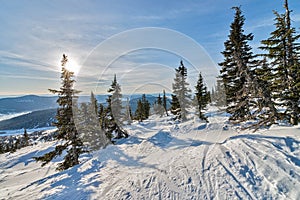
x,y
158,106
116,100
282,49
128,113
93,136
101,115
181,90
202,98
236,69
26,138
67,132
164,101
262,107
139,111
143,109
219,96
113,112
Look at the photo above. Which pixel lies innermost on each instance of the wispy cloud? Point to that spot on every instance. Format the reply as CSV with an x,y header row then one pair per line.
x,y
296,18
262,23
29,77
19,61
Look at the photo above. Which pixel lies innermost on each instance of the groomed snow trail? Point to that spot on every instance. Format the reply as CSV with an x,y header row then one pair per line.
x,y
167,160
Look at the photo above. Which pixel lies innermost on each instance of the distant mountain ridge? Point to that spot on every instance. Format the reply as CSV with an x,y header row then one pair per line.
x,y
34,102
26,103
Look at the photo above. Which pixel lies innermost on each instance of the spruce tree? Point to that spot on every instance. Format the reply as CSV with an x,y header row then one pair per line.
x,y
2,150
26,138
128,113
92,135
263,108
283,54
159,100
165,102
110,125
219,96
139,115
202,97
116,100
181,90
146,107
101,116
113,118
17,144
237,67
67,132
158,106
143,109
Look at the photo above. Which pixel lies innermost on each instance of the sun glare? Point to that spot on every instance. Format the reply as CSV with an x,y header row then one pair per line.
x,y
73,66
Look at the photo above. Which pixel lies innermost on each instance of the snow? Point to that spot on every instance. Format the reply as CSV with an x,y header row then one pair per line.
x,y
163,159
12,115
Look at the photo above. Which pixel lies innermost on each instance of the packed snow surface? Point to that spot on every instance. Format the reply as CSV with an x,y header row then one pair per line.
x,y
163,159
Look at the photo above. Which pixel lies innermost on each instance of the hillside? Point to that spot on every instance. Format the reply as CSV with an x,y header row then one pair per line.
x,y
26,103
35,119
163,159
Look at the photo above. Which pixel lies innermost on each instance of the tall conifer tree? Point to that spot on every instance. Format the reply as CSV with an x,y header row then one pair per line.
x,y
139,111
113,118
158,106
181,90
202,98
236,71
128,113
165,102
92,135
101,116
143,109
116,100
219,94
282,49
67,132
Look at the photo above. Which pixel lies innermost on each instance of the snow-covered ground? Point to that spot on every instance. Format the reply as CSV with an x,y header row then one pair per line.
x,y
166,160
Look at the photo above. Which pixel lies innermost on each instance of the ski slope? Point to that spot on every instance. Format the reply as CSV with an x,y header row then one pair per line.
x,y
163,159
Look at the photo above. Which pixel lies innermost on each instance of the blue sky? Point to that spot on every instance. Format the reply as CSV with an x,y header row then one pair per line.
x,y
34,35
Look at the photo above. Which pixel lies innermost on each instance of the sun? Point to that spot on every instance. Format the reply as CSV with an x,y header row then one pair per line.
x,y
72,66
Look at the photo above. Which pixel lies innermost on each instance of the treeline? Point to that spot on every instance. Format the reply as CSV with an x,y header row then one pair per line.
x,y
91,126
14,142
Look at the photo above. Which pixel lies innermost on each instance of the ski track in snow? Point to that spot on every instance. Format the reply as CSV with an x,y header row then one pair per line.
x,y
166,160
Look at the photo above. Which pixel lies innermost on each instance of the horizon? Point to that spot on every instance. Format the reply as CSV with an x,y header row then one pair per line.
x,y
83,95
